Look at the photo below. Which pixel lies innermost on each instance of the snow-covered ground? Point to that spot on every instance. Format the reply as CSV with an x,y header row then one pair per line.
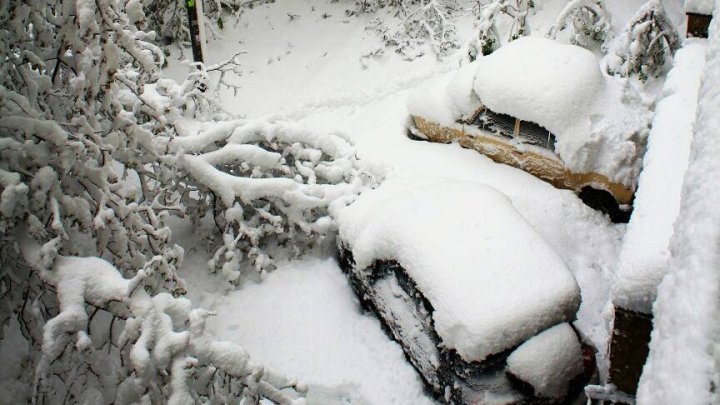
x,y
303,319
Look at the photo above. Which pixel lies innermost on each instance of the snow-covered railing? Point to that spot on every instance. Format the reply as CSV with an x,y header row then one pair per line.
x,y
683,363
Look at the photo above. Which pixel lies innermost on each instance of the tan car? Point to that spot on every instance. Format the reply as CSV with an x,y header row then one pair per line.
x,y
519,142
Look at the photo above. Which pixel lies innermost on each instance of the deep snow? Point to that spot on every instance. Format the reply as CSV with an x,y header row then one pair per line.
x,y
311,70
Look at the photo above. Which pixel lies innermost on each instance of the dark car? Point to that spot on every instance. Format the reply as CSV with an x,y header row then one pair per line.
x,y
480,304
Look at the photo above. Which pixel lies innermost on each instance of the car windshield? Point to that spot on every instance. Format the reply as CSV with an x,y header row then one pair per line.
x,y
505,125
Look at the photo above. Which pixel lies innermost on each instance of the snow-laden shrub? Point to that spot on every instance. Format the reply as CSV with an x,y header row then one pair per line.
x,y
113,342
646,44
169,18
269,186
488,38
588,20
85,115
415,25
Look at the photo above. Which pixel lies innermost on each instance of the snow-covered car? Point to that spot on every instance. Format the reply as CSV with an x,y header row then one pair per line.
x,y
479,302
546,108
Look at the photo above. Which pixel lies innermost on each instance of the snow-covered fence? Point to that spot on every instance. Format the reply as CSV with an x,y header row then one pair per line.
x,y
270,185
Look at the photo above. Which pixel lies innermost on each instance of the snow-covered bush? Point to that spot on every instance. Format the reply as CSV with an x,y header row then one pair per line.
x,y
169,18
589,22
415,24
646,44
488,38
87,272
269,186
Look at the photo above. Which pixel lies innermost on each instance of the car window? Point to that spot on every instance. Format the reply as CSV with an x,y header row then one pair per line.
x,y
536,135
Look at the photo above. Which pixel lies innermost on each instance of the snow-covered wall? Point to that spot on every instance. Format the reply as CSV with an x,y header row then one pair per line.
x,y
645,253
683,362
699,6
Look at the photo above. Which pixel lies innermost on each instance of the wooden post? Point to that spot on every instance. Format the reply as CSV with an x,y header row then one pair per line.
x,y
197,29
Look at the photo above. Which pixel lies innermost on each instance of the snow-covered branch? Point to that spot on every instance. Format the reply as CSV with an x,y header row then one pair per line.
x,y
488,38
89,175
646,44
418,24
269,184
589,19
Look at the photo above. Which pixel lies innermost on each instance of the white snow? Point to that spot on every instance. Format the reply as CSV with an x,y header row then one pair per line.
x,y
318,77
699,6
458,241
548,361
448,98
644,257
683,363
304,319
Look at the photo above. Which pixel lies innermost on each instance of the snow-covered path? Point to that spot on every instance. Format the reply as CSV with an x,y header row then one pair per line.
x,y
304,319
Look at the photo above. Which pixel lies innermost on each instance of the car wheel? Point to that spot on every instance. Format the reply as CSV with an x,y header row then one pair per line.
x,y
604,202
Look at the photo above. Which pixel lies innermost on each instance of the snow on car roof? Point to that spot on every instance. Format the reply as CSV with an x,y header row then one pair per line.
x,y
699,6
539,80
557,86
492,280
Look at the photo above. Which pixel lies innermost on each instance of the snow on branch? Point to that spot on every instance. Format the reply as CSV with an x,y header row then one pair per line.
x,y
646,45
589,19
489,38
88,180
416,25
270,185
167,357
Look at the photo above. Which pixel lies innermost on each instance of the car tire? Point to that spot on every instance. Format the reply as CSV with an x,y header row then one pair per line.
x,y
603,201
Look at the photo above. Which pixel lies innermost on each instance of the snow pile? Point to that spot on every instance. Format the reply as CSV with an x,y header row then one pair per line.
x,y
699,6
459,242
644,257
448,98
682,365
548,361
307,307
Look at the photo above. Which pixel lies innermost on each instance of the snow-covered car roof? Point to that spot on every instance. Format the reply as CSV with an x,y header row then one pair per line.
x,y
492,280
557,86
